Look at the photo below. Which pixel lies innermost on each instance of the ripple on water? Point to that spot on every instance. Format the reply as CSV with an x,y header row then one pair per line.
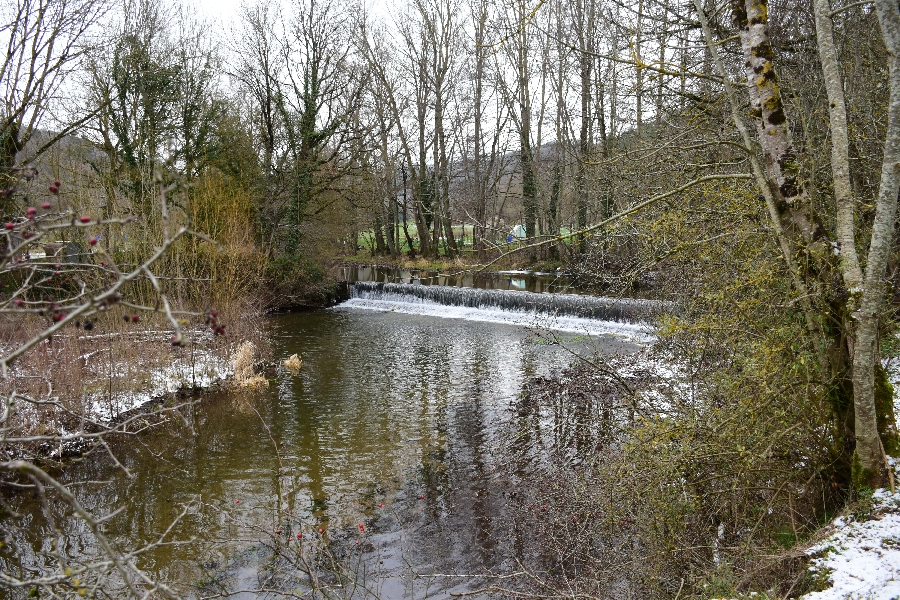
x,y
388,407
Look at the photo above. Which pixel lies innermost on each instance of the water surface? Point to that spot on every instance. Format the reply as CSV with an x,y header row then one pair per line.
x,y
395,409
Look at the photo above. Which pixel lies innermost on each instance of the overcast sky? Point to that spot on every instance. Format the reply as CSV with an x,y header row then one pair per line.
x,y
221,11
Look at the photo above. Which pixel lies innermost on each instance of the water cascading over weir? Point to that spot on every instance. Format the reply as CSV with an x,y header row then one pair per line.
x,y
568,312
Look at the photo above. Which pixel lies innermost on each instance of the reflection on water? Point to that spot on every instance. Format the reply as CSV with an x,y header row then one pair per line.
x,y
387,408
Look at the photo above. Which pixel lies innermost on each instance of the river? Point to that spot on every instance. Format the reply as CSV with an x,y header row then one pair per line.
x,y
391,424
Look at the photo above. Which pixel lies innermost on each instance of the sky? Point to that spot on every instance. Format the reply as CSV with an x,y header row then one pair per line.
x,y
220,11
223,12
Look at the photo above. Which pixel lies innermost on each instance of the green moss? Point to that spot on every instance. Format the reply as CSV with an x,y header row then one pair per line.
x,y
861,476
884,407
784,537
862,508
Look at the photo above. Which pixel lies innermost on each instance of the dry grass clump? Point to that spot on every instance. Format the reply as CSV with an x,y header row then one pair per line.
x,y
293,364
244,362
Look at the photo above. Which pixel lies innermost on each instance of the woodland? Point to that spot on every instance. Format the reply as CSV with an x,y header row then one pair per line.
x,y
739,159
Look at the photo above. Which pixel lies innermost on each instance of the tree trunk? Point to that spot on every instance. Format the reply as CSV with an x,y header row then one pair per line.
x,y
409,241
869,457
639,75
585,62
380,247
782,168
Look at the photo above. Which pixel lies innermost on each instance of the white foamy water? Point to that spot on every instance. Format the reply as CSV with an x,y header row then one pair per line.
x,y
532,320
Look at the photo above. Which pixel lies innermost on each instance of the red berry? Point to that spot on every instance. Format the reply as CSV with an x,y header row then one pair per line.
x,y
31,211
56,183
9,226
53,189
57,266
19,302
362,527
299,536
46,205
135,318
237,501
58,317
214,313
380,505
92,241
85,219
278,532
357,542
421,497
321,531
102,264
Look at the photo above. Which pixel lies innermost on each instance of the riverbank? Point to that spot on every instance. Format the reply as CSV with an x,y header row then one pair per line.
x,y
582,450
101,376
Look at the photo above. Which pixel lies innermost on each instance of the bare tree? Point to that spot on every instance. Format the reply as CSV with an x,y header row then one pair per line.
x,y
63,298
44,41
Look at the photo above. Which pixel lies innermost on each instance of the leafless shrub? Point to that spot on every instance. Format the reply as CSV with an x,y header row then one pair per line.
x,y
57,322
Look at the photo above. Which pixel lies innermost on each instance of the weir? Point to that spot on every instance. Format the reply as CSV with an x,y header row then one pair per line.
x,y
620,310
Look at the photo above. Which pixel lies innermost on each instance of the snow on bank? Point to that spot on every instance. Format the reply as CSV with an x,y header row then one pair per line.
x,y
203,372
861,559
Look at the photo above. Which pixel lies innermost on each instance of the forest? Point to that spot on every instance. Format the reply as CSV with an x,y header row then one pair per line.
x,y
170,180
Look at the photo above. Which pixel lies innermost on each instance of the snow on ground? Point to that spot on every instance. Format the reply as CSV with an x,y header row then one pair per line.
x,y
861,558
204,372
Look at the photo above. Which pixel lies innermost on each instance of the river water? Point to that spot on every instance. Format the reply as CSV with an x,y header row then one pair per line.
x,y
391,424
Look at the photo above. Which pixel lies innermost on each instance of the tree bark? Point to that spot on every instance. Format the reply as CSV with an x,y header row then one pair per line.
x,y
767,108
585,62
840,160
872,467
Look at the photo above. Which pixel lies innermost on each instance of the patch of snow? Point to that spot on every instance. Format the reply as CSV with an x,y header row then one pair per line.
x,y
861,559
206,371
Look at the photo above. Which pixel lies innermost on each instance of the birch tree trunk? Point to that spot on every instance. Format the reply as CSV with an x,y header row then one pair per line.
x,y
865,302
782,167
840,160
869,459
